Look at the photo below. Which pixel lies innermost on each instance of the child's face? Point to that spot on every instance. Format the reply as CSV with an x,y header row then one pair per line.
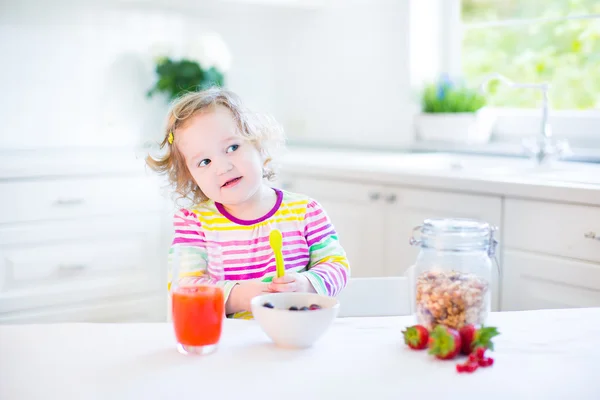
x,y
226,167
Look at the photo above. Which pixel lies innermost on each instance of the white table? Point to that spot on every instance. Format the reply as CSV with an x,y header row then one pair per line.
x,y
551,354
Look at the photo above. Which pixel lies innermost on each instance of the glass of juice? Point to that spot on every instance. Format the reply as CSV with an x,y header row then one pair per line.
x,y
198,310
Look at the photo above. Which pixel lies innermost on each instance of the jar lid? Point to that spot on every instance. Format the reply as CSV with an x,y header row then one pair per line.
x,y
459,234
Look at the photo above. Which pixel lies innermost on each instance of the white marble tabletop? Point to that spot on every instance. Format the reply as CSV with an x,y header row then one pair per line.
x,y
550,354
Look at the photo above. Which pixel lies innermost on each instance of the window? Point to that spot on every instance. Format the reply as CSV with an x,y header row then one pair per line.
x,y
557,41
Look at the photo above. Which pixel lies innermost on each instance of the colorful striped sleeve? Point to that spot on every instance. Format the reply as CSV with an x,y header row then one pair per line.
x,y
329,269
193,253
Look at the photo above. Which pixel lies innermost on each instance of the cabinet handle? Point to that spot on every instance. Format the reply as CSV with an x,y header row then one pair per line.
x,y
591,235
374,196
391,198
69,202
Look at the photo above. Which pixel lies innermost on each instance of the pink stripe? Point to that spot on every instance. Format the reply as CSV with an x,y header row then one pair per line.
x,y
187,212
328,271
260,259
250,269
313,213
291,234
263,248
338,274
187,223
253,242
321,229
312,241
328,287
182,232
179,240
314,223
260,274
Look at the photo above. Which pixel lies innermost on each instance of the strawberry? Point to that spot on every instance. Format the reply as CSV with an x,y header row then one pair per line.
x,y
467,334
486,362
444,342
479,353
466,367
472,338
470,367
416,337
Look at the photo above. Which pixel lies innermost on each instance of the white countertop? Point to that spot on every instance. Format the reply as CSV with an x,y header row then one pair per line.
x,y
547,354
72,162
501,176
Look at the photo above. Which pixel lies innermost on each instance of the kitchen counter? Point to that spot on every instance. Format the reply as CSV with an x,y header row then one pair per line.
x,y
544,354
504,176
61,162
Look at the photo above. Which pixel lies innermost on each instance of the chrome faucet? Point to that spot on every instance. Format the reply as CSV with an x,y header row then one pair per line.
x,y
543,148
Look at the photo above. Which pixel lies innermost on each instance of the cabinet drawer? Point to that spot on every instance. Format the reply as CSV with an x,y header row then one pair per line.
x,y
322,190
534,281
66,262
71,198
29,266
552,228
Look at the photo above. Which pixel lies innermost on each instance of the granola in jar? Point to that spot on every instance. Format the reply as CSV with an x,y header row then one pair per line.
x,y
451,298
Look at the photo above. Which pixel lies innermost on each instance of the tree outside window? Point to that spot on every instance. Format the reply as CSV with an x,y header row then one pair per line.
x,y
557,41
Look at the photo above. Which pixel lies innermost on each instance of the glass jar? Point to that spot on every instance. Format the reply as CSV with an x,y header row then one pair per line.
x,y
451,280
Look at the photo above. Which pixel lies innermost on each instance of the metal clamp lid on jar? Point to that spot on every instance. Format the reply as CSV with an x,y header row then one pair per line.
x,y
467,234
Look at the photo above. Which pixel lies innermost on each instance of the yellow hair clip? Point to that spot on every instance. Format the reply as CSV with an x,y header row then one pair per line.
x,y
171,138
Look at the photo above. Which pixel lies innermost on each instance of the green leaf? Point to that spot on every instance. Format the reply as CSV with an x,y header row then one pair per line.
x,y
175,77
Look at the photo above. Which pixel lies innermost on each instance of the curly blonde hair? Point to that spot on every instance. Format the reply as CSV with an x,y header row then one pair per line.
x,y
260,130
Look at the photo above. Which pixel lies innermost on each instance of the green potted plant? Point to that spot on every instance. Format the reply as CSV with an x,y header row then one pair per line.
x,y
179,76
452,112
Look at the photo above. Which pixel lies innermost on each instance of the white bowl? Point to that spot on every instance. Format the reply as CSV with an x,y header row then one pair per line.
x,y
294,329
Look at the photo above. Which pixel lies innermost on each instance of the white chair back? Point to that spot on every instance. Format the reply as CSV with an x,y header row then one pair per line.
x,y
371,297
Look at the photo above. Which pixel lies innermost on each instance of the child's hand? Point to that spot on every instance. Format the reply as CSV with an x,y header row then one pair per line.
x,y
242,293
291,282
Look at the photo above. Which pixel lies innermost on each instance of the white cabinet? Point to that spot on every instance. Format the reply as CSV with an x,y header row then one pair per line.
x,y
375,222
551,259
353,210
82,246
63,263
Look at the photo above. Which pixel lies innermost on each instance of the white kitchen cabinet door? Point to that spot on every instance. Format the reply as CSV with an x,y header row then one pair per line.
x,y
358,218
51,266
560,229
550,257
535,281
408,208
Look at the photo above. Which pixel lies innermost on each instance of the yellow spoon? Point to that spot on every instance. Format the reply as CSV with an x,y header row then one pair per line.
x,y
276,241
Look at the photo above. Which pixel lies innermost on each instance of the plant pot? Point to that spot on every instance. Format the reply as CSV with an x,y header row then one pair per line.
x,y
454,127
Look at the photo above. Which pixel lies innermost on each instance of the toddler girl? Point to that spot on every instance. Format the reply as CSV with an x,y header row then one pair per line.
x,y
220,156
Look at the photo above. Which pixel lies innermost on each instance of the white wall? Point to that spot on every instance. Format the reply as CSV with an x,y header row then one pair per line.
x,y
77,74
345,74
78,71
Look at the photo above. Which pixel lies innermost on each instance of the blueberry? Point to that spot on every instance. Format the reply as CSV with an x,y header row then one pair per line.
x,y
268,305
293,308
304,308
315,307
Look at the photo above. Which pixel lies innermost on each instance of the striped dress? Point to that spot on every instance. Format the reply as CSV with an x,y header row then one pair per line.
x,y
214,246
